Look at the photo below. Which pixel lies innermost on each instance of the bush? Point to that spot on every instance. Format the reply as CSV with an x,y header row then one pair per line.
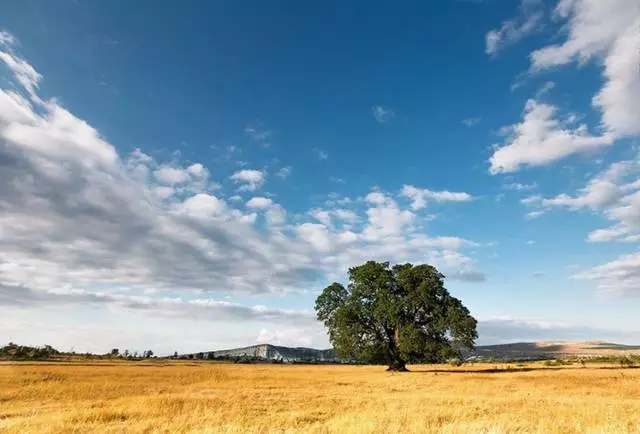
x,y
557,362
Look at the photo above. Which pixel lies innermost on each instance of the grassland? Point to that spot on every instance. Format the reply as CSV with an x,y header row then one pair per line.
x,y
211,398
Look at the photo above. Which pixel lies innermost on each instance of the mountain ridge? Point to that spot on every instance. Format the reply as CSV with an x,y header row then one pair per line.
x,y
509,351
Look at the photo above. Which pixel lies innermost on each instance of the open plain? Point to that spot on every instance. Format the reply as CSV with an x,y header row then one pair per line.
x,y
203,397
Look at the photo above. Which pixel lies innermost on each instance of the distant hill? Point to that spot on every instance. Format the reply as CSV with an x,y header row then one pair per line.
x,y
551,350
272,353
514,351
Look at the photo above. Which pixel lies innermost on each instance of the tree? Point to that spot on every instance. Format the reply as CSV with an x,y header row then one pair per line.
x,y
395,315
114,352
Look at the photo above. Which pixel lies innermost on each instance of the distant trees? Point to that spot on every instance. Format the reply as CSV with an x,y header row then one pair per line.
x,y
15,351
395,315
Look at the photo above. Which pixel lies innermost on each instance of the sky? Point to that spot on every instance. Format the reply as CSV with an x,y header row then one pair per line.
x,y
189,176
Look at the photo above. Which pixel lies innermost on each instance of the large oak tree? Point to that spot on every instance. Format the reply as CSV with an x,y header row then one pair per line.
x,y
395,315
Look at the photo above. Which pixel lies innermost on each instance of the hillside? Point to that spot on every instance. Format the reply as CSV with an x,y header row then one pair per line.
x,y
272,352
513,351
552,349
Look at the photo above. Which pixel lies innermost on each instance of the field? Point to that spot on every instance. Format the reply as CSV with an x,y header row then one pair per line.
x,y
202,397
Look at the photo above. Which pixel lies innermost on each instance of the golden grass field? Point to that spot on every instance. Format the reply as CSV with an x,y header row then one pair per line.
x,y
226,398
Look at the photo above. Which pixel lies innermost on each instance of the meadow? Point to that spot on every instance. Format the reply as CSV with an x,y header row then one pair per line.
x,y
175,397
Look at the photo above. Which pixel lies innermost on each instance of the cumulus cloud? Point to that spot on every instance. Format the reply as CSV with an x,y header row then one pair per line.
x,y
259,202
383,114
540,139
513,30
608,32
420,196
78,216
249,179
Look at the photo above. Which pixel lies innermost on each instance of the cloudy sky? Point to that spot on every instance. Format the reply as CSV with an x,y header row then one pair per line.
x,y
189,178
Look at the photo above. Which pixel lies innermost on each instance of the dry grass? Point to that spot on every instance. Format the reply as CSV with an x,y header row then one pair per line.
x,y
211,398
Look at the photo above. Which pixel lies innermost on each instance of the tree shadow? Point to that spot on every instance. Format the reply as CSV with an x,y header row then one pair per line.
x,y
609,346
516,369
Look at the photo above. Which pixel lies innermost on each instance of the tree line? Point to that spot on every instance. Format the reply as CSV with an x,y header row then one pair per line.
x,y
13,351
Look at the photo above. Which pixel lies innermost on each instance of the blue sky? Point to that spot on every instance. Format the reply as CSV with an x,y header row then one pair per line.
x,y
187,177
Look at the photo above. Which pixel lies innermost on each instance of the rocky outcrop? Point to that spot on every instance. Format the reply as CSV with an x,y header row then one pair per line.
x,y
275,353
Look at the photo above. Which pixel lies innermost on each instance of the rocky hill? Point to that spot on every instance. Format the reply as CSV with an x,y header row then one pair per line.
x,y
514,351
273,353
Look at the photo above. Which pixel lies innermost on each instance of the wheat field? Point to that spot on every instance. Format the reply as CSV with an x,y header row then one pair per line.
x,y
226,398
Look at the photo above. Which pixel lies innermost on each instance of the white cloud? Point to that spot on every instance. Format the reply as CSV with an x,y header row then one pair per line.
x,y
517,186
197,170
317,235
287,337
383,115
258,133
336,180
513,30
249,180
615,193
322,155
204,206
471,122
541,139
618,277
535,214
606,30
420,196
26,75
171,175
322,216
545,89
346,215
259,202
284,172
77,216
505,329
376,197
276,215
6,39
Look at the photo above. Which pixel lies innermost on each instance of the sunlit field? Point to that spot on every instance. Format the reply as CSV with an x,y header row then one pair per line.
x,y
203,397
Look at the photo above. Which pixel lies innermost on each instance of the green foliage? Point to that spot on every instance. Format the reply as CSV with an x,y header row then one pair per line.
x,y
395,315
14,351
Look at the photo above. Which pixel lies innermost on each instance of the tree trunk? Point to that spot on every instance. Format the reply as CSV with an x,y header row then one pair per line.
x,y
398,366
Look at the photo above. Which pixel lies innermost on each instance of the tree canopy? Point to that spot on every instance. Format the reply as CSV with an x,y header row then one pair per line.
x,y
395,315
